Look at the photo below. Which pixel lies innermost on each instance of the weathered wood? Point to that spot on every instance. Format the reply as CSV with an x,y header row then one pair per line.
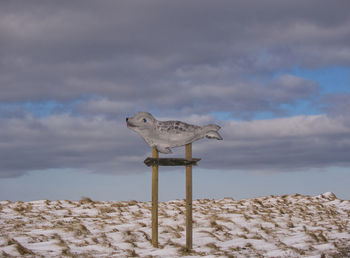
x,y
171,162
155,199
188,155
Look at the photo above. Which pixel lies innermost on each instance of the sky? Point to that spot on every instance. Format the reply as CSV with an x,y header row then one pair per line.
x,y
275,75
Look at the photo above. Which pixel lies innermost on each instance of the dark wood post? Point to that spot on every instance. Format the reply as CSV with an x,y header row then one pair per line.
x,y
188,153
155,199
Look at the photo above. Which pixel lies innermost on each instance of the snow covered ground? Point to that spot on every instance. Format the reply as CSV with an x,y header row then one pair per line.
x,y
273,226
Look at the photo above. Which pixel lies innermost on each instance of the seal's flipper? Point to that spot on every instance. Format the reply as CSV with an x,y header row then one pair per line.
x,y
212,127
163,149
211,132
213,135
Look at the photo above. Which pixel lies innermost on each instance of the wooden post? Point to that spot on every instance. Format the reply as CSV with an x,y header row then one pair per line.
x,y
155,162
188,153
155,199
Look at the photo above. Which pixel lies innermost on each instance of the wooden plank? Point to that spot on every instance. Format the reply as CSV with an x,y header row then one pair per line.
x,y
170,161
155,199
188,155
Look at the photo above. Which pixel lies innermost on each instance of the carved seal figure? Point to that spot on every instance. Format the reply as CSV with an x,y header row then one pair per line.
x,y
168,134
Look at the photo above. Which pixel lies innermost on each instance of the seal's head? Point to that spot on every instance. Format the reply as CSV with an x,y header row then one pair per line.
x,y
141,123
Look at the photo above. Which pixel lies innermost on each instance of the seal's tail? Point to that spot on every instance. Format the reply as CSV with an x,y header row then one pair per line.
x,y
211,132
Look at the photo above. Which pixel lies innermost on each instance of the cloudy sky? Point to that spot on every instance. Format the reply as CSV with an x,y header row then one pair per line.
x,y
275,75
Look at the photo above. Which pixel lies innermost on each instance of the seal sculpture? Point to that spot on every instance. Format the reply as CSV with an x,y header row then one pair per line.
x,y
168,134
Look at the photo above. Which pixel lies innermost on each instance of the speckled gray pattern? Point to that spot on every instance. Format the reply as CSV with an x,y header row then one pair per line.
x,y
175,127
168,134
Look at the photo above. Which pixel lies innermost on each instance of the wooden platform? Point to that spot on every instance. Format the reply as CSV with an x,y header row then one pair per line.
x,y
170,162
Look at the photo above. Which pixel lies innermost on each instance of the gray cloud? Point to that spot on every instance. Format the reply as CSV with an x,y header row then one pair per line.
x,y
102,145
63,141
175,58
288,144
337,104
129,50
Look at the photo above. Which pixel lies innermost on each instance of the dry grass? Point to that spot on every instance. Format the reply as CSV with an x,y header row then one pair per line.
x,y
104,210
20,248
86,200
122,229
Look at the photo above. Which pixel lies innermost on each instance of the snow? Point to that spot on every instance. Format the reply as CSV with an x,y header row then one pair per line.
x,y
273,226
